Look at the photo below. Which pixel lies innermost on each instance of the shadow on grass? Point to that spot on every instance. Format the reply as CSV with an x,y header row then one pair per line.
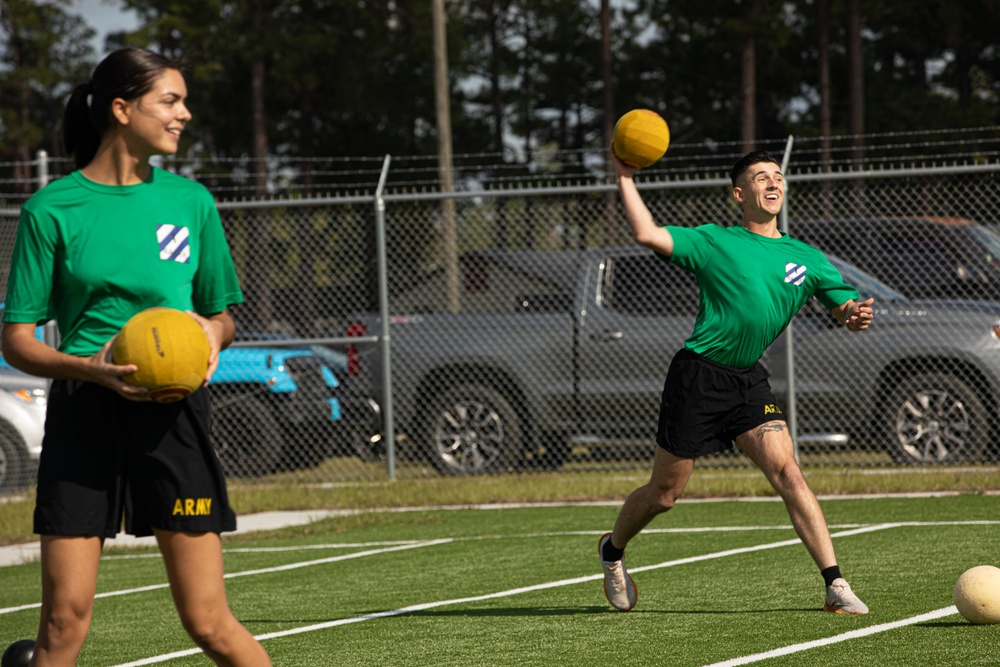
x,y
569,611
534,611
945,624
517,611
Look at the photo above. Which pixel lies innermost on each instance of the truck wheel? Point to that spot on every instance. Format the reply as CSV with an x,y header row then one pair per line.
x,y
245,434
936,418
366,440
13,476
472,429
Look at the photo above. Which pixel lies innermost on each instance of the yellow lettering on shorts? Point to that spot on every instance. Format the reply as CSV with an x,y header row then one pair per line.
x,y
772,409
193,506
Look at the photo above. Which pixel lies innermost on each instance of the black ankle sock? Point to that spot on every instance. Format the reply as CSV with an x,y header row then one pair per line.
x,y
610,553
829,574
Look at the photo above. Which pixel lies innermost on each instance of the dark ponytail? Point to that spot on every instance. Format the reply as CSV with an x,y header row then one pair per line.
x,y
127,74
80,137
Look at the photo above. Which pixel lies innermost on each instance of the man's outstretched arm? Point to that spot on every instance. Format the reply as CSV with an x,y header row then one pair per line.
x,y
645,231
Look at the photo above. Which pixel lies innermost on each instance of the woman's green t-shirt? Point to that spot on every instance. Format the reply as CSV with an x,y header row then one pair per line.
x,y
91,255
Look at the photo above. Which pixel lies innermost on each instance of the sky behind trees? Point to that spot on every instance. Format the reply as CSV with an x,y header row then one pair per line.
x,y
104,17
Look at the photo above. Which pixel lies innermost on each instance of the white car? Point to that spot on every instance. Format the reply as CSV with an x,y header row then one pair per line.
x,y
22,423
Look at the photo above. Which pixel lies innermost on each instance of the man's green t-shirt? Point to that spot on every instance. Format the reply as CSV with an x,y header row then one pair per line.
x,y
751,288
92,255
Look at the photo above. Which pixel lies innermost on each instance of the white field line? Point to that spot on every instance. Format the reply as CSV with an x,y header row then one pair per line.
x,y
746,550
561,533
244,573
492,596
853,634
260,550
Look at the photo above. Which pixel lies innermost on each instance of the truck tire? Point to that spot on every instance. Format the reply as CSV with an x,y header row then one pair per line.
x,y
245,434
472,429
936,418
13,475
366,441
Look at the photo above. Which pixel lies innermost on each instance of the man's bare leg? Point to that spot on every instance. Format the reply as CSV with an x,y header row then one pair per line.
x,y
666,483
769,446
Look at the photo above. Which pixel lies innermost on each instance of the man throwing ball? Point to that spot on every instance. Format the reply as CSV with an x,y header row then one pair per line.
x,y
753,280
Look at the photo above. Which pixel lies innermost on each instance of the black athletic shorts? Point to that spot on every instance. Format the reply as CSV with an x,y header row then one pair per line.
x,y
705,405
105,457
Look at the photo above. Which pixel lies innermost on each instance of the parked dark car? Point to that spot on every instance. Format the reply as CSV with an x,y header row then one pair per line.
x,y
275,408
922,257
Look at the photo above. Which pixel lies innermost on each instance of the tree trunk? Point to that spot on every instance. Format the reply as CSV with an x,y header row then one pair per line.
x,y
442,96
259,268
748,126
527,226
308,307
496,98
825,114
611,224
856,72
856,100
825,104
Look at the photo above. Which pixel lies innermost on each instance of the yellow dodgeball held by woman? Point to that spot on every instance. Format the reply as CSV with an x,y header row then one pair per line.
x,y
169,347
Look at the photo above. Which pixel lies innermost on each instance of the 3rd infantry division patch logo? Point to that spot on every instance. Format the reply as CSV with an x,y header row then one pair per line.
x,y
794,273
175,243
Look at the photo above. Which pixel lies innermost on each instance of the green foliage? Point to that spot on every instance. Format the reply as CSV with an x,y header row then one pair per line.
x,y
356,78
44,52
340,78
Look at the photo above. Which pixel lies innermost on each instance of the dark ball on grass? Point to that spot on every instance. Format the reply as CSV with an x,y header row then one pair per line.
x,y
18,654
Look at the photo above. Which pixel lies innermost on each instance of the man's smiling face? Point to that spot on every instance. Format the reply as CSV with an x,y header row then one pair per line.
x,y
762,190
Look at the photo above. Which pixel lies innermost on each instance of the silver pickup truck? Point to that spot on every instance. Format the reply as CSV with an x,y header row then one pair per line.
x,y
585,364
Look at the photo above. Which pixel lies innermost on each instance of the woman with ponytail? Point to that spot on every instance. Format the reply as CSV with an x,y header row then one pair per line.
x,y
112,238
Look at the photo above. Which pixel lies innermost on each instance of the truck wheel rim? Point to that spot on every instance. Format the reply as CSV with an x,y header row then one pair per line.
x,y
932,425
469,437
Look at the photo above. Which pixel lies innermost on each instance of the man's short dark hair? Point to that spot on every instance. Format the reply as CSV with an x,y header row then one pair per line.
x,y
744,163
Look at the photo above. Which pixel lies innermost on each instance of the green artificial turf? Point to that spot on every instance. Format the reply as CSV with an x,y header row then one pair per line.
x,y
519,586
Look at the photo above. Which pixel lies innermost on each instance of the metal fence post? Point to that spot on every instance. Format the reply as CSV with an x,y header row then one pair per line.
x,y
388,430
793,428
42,175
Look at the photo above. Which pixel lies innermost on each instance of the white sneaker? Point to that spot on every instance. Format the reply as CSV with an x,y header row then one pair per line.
x,y
618,585
840,599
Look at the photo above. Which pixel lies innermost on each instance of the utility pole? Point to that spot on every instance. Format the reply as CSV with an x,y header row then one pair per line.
x,y
442,102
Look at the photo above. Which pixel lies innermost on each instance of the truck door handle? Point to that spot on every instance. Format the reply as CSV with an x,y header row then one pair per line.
x,y
607,336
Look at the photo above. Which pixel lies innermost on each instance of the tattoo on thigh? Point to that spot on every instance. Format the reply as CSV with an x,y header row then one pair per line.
x,y
770,427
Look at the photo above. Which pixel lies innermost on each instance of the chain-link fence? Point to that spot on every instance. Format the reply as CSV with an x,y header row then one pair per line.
x,y
528,332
